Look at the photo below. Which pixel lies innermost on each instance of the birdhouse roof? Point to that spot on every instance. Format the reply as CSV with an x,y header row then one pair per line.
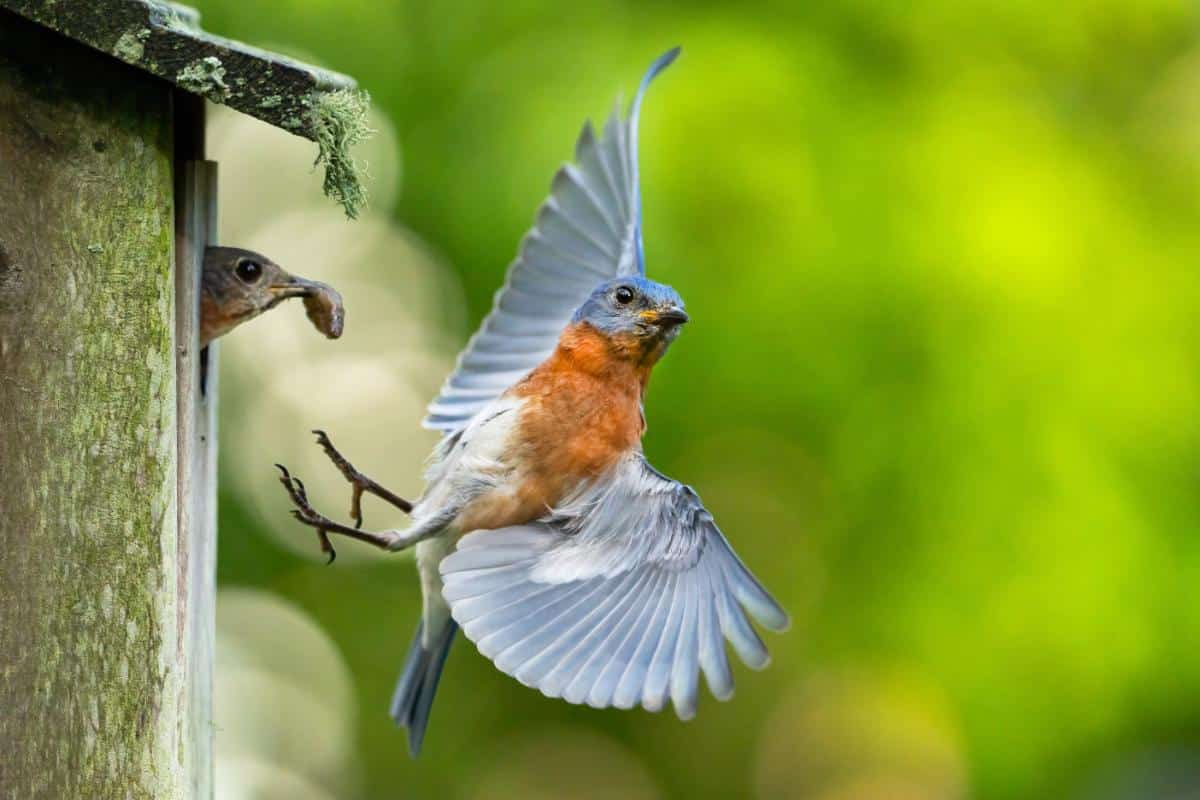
x,y
165,39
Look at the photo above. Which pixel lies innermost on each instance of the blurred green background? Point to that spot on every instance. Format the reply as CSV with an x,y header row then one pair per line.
x,y
940,389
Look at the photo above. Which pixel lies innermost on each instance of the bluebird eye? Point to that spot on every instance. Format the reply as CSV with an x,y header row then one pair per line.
x,y
623,295
249,271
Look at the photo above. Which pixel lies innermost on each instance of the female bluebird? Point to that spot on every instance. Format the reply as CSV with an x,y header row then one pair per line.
x,y
238,285
543,533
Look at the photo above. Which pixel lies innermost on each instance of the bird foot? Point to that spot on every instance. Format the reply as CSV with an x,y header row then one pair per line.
x,y
359,482
307,515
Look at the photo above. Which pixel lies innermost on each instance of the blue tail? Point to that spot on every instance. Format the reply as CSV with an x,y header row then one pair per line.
x,y
418,683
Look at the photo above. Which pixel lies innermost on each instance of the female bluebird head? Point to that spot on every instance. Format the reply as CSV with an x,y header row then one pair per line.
x,y
635,310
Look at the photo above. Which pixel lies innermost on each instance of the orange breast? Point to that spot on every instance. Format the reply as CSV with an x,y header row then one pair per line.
x,y
581,411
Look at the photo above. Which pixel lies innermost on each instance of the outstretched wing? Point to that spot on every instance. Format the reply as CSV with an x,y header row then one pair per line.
x,y
588,231
621,597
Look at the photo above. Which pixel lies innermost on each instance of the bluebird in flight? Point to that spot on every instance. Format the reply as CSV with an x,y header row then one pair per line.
x,y
543,533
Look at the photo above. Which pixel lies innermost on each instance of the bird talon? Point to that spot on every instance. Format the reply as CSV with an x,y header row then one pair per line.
x,y
306,514
345,467
360,484
356,479
326,546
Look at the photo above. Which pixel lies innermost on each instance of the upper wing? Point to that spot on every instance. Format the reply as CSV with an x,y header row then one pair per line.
x,y
588,231
620,597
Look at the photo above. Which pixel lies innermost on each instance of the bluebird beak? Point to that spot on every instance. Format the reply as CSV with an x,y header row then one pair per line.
x,y
294,286
670,316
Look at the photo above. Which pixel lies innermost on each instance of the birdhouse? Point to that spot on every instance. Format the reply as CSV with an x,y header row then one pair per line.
x,y
107,402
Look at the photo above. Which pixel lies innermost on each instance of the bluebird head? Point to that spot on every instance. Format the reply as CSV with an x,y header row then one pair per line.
x,y
637,309
238,285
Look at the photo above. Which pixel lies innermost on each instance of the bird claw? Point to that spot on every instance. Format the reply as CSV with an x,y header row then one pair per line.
x,y
306,514
358,482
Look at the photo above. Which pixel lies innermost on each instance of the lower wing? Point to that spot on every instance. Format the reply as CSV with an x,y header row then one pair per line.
x,y
621,597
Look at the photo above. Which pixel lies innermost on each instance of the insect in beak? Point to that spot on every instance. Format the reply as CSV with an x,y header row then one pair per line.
x,y
322,304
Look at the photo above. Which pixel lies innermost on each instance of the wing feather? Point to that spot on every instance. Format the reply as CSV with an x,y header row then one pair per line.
x,y
629,687
737,629
579,199
614,161
585,637
658,673
604,640
544,653
618,657
624,594
714,663
685,672
526,654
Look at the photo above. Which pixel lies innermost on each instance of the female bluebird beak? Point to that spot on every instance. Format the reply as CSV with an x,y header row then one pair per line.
x,y
293,286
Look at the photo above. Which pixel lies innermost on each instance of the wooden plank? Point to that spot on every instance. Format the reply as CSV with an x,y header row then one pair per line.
x,y
195,229
204,556
89,625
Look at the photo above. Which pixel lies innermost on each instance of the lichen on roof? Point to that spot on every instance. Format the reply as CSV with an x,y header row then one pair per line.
x,y
165,39
340,120
204,76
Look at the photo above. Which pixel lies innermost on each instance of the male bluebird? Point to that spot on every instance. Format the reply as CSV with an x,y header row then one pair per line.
x,y
565,557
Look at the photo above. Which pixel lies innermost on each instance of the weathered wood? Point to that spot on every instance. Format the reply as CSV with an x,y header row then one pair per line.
x,y
195,229
204,627
165,39
90,629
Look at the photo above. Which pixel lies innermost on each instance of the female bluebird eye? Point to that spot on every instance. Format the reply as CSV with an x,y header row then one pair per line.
x,y
248,270
623,295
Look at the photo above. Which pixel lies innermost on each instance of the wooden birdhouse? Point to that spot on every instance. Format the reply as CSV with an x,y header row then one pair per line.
x,y
107,430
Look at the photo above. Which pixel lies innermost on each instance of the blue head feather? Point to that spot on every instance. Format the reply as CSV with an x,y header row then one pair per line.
x,y
633,305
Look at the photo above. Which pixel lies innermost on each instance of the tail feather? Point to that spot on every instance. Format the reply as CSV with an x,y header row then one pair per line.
x,y
418,683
